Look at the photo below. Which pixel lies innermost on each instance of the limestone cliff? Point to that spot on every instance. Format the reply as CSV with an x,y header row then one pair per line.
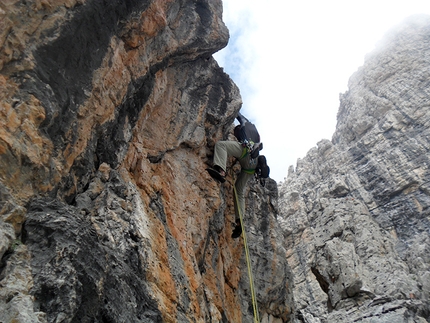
x,y
109,112
356,211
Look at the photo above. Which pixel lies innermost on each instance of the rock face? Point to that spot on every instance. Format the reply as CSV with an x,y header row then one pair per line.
x,y
109,112
356,211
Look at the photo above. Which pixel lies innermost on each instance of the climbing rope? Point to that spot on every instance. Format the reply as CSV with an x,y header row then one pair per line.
x,y
248,261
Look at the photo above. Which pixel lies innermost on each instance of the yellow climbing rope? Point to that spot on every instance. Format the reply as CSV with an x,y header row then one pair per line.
x,y
248,261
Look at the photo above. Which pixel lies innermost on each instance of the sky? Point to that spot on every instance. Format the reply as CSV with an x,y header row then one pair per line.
x,y
292,59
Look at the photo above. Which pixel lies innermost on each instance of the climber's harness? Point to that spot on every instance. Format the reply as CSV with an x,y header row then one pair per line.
x,y
249,147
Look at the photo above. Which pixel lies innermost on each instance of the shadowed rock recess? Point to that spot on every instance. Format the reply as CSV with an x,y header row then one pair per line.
x,y
109,111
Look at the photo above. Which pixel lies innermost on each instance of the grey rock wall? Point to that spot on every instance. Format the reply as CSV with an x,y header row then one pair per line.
x,y
356,211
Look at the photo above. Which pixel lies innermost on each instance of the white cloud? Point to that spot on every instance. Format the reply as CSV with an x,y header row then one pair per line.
x,y
291,60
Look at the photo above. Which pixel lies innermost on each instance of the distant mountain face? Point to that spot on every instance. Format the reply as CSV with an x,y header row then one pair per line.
x,y
109,114
356,210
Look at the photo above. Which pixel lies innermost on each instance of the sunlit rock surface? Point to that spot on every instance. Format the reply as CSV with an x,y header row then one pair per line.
x,y
109,112
355,212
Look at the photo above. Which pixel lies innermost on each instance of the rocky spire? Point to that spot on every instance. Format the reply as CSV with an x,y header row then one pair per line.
x,y
355,212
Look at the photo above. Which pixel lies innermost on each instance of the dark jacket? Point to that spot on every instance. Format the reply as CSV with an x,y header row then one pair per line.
x,y
246,130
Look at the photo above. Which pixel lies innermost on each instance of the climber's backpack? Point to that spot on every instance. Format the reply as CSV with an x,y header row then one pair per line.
x,y
247,133
262,170
249,137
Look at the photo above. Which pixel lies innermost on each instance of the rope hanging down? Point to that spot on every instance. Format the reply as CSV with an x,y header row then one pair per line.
x,y
248,261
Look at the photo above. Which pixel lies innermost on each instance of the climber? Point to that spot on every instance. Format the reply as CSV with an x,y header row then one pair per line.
x,y
246,151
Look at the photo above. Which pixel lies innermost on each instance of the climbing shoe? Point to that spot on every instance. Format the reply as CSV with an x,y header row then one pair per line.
x,y
217,175
237,231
